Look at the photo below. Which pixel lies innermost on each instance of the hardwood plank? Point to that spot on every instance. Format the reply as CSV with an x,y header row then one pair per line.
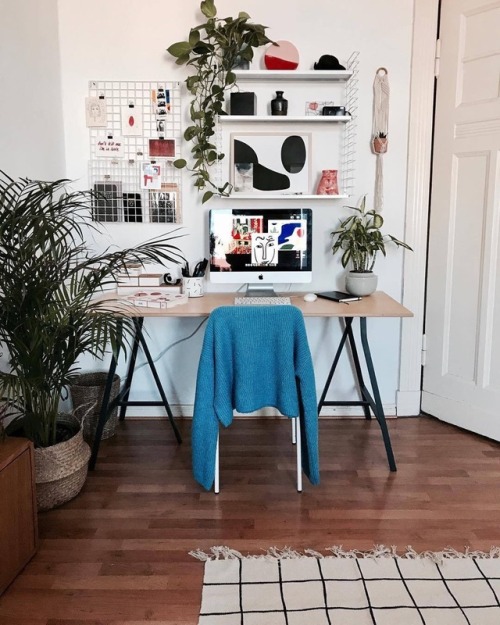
x,y
118,553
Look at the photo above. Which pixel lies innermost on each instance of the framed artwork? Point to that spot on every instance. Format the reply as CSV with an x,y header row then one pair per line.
x,y
280,162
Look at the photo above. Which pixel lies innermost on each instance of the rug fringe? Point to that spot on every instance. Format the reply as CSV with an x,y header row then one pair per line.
x,y
379,551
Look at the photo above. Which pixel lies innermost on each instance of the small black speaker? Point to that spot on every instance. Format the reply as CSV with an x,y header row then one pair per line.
x,y
243,103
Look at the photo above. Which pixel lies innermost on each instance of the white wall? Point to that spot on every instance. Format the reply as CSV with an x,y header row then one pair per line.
x,y
126,40
31,126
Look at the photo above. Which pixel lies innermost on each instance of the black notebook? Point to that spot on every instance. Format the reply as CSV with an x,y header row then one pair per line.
x,y
339,296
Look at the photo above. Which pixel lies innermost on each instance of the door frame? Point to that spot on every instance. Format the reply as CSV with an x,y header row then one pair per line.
x,y
421,120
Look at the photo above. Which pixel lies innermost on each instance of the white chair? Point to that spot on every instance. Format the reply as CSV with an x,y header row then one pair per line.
x,y
254,357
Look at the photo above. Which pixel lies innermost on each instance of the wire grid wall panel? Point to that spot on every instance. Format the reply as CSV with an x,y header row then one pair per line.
x,y
139,182
348,153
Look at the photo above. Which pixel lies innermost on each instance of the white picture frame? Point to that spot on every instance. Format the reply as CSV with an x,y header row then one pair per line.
x,y
281,161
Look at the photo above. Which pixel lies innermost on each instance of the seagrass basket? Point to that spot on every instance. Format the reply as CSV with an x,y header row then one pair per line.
x,y
87,393
61,470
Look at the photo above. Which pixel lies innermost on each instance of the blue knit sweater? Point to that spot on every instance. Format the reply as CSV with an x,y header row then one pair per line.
x,y
252,357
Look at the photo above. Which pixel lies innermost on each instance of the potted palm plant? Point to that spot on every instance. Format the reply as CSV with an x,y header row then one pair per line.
x,y
49,317
360,239
212,50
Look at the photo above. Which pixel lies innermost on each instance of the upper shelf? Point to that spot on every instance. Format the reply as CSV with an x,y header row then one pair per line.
x,y
293,74
331,119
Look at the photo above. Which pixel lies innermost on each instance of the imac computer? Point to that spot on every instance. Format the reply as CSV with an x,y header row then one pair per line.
x,y
260,247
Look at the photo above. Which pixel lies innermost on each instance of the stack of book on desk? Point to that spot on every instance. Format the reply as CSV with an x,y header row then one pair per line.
x,y
133,280
128,288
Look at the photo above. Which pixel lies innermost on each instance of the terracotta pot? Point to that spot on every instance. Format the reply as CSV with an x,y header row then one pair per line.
x,y
379,145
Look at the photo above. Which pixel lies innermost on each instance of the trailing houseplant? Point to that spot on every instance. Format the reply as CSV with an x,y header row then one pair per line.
x,y
212,50
359,238
48,317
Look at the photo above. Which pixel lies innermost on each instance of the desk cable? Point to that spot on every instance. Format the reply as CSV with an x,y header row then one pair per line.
x,y
164,351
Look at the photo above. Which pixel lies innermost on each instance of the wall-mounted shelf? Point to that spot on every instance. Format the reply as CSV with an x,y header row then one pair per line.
x,y
338,119
281,196
332,143
293,75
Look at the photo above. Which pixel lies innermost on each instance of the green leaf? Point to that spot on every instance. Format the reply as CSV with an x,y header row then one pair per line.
x,y
190,133
378,220
191,82
208,8
345,257
243,16
207,196
181,48
230,78
180,163
194,37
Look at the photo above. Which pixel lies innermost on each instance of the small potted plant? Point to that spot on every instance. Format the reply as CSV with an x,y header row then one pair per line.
x,y
212,51
359,238
49,318
380,143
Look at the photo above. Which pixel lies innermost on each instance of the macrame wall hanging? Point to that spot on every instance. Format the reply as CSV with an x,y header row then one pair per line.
x,y
380,131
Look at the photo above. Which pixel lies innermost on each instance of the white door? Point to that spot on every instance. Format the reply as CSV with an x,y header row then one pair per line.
x,y
461,382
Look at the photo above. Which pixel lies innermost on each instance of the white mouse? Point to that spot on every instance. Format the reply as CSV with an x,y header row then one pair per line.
x,y
310,297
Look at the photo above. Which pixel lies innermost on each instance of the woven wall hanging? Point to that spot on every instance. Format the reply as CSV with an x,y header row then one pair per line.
x,y
380,130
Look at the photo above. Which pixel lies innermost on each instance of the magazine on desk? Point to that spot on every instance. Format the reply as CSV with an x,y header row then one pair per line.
x,y
156,299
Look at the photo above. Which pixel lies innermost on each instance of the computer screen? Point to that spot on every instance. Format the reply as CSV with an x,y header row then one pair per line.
x,y
260,246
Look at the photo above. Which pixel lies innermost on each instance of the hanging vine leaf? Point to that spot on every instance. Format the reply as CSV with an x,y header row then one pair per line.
x,y
212,50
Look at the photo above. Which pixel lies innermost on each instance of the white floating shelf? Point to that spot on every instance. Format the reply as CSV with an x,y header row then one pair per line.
x,y
329,119
340,75
281,196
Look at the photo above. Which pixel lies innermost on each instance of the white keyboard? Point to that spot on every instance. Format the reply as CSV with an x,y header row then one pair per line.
x,y
262,301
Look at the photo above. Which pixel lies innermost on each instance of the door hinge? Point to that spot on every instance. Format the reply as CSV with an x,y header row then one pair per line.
x,y
437,57
423,357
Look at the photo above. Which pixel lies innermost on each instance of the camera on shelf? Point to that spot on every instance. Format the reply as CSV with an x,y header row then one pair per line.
x,y
334,110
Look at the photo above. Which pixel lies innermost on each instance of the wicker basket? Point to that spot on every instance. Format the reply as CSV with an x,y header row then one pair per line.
x,y
60,470
87,393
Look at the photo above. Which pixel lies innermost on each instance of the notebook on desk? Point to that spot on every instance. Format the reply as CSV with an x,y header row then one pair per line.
x,y
339,296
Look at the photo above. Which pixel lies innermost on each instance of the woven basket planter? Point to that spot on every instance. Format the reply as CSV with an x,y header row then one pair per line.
x,y
60,470
87,393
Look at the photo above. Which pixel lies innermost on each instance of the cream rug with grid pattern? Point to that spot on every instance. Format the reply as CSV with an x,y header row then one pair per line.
x,y
283,587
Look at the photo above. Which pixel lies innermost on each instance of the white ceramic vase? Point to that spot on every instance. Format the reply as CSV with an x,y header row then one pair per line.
x,y
361,283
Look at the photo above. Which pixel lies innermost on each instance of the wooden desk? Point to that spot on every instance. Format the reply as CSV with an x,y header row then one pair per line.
x,y
377,305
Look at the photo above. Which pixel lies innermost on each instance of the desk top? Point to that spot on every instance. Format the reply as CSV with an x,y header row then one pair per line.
x,y
379,304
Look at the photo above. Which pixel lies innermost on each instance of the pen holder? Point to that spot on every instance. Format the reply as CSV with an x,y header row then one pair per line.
x,y
193,287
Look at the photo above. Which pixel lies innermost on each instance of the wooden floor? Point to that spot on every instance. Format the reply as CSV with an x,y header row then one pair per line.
x,y
118,553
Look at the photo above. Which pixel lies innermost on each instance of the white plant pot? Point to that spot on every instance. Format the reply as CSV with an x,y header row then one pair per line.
x,y
361,283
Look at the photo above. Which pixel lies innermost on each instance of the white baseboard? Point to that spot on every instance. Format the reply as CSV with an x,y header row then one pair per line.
x,y
408,403
186,410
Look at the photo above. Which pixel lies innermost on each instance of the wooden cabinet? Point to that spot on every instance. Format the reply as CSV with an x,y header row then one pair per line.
x,y
18,512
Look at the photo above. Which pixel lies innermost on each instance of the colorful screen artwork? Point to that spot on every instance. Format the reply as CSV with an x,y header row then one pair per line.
x,y
274,239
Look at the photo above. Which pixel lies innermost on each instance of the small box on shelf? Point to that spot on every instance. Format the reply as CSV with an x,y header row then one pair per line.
x,y
243,103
